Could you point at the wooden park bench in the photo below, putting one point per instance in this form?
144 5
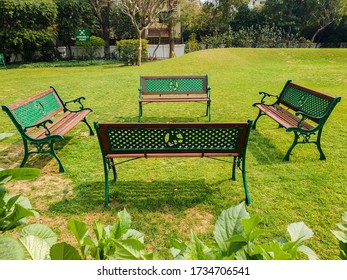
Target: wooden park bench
154 140
174 89
299 110
44 119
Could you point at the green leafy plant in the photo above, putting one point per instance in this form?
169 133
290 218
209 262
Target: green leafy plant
93 45
128 50
341 235
116 241
235 235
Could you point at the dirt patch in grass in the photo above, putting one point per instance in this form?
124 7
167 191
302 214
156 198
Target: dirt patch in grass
200 221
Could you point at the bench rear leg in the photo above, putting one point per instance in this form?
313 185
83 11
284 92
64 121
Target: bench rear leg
140 112
208 110
233 177
245 183
91 132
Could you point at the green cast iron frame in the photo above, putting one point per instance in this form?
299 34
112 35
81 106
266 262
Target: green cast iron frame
2 61
175 86
305 104
146 140
35 113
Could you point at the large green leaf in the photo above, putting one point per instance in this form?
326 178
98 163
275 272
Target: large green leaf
299 232
340 235
35 248
64 251
197 250
129 249
125 221
79 229
20 173
134 234
42 231
308 252
229 223
10 248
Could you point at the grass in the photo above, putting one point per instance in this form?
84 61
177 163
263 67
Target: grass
168 197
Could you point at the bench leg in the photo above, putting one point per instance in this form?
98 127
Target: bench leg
233 177
245 183
26 152
91 132
53 153
208 110
296 137
255 122
140 112
106 171
322 156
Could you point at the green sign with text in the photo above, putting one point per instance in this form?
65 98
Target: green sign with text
82 35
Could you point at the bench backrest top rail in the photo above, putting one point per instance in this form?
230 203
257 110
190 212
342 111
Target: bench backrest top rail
37 108
308 101
174 84
173 137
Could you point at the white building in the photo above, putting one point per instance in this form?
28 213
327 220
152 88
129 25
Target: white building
254 3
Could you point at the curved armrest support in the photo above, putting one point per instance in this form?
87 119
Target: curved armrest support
265 94
41 124
77 100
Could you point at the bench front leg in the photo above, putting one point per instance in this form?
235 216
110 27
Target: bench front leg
140 111
91 132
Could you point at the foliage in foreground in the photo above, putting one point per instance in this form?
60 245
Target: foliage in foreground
235 235
341 235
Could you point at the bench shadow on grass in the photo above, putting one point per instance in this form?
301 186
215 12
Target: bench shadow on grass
13 155
141 195
263 150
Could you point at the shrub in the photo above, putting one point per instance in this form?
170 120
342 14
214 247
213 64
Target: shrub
93 45
192 44
342 236
128 50
235 235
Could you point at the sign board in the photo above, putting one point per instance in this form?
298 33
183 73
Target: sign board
82 35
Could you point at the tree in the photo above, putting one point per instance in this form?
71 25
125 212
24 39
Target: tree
102 9
327 11
142 14
72 14
26 25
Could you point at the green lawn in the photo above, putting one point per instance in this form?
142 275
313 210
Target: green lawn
168 197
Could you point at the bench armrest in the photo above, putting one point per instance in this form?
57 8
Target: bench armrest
265 94
77 100
41 124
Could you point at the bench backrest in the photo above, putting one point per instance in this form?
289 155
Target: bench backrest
174 85
35 109
308 101
142 138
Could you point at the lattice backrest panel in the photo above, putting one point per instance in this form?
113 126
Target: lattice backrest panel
305 101
174 85
37 109
173 139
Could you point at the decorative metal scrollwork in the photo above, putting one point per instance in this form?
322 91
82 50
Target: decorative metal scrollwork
302 101
174 85
173 138
38 105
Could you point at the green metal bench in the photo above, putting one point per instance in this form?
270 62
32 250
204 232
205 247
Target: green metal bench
2 61
174 89
33 119
299 110
152 140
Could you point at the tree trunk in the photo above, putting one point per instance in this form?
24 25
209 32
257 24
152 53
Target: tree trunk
139 50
